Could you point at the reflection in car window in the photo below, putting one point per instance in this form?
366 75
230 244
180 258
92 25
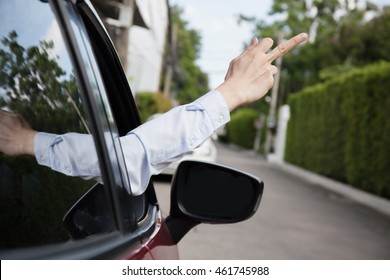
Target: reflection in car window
37 82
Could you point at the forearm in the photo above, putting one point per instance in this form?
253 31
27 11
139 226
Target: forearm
153 146
147 149
183 128
72 154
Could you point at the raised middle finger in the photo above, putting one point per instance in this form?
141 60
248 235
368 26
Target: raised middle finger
286 46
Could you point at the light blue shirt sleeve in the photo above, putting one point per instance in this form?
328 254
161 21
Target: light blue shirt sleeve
72 154
147 150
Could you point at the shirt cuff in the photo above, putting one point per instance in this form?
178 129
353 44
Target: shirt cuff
215 106
42 143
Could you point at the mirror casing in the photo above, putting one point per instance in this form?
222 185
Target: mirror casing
90 215
210 193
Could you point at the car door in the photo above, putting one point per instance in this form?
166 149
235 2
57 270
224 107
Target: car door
150 225
54 76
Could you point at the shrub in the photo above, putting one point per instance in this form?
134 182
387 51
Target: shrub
240 129
341 128
150 103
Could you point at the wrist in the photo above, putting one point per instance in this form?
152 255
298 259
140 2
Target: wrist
27 146
231 95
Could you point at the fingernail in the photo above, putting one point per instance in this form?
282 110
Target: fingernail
303 36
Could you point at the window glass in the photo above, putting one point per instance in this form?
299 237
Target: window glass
37 82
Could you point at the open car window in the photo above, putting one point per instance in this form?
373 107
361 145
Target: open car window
120 106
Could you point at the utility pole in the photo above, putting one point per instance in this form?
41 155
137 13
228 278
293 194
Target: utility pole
172 57
259 124
271 121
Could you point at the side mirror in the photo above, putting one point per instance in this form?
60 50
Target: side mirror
90 215
211 193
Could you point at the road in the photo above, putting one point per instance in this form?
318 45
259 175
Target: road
295 220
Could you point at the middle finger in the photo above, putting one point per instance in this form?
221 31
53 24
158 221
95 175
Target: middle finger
286 46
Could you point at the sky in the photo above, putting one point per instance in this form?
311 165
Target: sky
222 38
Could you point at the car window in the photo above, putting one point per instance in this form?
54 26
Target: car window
121 105
37 82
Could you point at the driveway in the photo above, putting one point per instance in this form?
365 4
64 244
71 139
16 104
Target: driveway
295 220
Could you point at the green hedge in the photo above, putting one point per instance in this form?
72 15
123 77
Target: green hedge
341 128
240 129
149 103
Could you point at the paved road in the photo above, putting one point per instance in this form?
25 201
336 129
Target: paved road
295 220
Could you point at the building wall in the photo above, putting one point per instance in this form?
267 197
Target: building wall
146 47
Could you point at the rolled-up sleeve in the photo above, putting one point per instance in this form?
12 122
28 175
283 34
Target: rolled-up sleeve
72 154
153 146
147 149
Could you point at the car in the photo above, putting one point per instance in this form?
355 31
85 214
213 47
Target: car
61 72
207 152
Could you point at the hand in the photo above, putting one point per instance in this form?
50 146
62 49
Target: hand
16 135
251 74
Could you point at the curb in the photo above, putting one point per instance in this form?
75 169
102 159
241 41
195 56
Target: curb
377 203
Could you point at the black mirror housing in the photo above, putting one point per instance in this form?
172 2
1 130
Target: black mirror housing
89 216
211 193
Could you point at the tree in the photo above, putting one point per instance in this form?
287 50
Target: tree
341 38
375 37
34 85
189 81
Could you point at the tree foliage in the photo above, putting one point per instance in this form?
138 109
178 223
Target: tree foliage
189 82
341 36
150 103
241 130
34 85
